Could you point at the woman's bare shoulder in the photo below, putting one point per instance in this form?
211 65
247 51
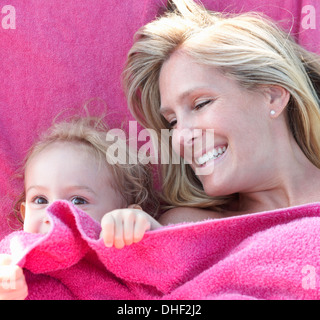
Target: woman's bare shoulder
187 214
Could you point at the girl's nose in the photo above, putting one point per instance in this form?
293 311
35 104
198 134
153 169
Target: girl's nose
45 225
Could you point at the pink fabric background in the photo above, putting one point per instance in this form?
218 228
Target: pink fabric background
63 53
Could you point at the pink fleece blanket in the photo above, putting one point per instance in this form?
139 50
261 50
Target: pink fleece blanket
63 53
270 255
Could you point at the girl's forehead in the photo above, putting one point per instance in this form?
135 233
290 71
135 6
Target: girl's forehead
63 147
69 160
65 154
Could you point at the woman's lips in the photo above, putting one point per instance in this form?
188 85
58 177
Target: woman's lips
215 153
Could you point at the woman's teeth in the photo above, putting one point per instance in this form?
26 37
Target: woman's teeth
214 154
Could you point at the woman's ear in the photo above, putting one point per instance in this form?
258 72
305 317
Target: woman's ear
278 99
23 209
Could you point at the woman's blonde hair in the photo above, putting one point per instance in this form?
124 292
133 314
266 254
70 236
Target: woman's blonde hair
250 48
132 181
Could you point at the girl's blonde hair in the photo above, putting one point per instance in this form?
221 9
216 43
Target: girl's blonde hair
250 48
132 181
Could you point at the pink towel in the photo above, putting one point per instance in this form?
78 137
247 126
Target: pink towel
62 53
270 255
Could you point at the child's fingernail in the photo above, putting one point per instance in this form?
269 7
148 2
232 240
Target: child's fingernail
135 206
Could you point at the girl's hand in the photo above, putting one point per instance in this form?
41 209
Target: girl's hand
13 285
126 226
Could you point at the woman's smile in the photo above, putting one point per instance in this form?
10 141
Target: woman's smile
214 154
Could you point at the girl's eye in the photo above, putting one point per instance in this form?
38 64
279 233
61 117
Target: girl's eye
202 104
78 201
40 200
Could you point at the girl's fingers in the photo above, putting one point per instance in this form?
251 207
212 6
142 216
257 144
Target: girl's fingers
128 228
15 294
123 227
141 226
108 226
112 230
5 259
13 284
118 231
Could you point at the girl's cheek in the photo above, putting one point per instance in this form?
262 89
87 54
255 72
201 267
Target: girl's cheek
32 224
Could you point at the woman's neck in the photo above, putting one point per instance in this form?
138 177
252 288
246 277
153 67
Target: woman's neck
295 181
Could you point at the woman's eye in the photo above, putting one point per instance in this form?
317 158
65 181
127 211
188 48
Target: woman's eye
40 200
202 104
172 123
196 107
78 201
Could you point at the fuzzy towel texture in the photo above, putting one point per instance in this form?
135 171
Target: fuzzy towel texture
63 53
270 255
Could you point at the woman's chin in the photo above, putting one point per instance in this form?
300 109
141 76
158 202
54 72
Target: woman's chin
216 189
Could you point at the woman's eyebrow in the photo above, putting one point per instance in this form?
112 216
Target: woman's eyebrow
183 96
164 110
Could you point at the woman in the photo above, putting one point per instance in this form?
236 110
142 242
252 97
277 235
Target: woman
248 81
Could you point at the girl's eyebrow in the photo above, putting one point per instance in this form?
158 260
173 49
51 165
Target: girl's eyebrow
36 187
67 189
80 187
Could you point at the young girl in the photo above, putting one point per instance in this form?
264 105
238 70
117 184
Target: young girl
71 162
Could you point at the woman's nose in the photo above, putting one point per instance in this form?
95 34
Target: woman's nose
186 132
184 138
189 139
